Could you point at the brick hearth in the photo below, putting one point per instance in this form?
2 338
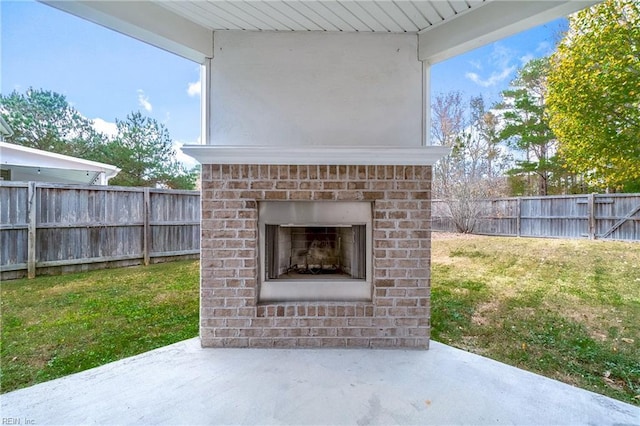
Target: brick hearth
398 314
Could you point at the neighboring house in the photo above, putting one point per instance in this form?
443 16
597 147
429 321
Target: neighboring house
19 163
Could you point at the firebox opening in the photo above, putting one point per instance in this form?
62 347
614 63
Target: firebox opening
315 251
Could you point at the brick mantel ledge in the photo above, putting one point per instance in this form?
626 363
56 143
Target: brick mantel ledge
327 155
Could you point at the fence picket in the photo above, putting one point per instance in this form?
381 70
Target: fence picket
32 229
593 216
49 227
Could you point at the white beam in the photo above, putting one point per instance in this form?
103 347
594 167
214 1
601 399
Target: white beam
147 22
206 115
490 22
426 104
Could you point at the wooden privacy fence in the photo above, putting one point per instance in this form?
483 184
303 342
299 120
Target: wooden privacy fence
51 227
593 216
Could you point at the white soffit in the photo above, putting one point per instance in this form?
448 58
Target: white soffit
313 15
446 27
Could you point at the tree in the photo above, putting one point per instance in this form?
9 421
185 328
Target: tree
182 178
143 149
474 169
44 120
594 94
526 128
447 126
489 154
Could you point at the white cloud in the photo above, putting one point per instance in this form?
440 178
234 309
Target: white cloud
545 48
183 158
194 88
476 64
526 58
501 56
495 77
500 61
106 127
143 101
167 118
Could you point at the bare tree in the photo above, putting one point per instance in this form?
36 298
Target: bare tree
446 127
474 170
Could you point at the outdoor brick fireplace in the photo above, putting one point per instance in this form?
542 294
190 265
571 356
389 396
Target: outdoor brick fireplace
316 188
388 307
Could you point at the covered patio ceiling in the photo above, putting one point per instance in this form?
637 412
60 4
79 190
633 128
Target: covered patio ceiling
445 28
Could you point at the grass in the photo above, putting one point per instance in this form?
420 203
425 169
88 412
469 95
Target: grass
566 309
57 325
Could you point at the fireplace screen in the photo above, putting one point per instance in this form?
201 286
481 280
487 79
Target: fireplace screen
315 250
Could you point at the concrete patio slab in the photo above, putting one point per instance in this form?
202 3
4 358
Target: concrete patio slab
185 384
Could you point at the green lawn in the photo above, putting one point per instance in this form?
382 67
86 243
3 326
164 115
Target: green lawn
566 309
58 325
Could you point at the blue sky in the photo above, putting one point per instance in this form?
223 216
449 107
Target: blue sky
489 69
106 75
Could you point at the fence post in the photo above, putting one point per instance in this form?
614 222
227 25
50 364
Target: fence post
31 230
591 216
518 214
146 211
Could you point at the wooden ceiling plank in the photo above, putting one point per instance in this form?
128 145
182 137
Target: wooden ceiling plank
285 22
398 16
304 10
356 8
198 14
381 16
320 9
459 6
247 14
475 3
344 15
444 9
340 9
414 14
217 8
426 8
285 7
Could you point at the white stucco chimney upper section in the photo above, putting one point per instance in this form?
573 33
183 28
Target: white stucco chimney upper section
316 89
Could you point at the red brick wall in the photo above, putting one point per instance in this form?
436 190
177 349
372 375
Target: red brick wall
397 316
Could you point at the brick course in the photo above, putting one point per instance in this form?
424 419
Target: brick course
398 314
